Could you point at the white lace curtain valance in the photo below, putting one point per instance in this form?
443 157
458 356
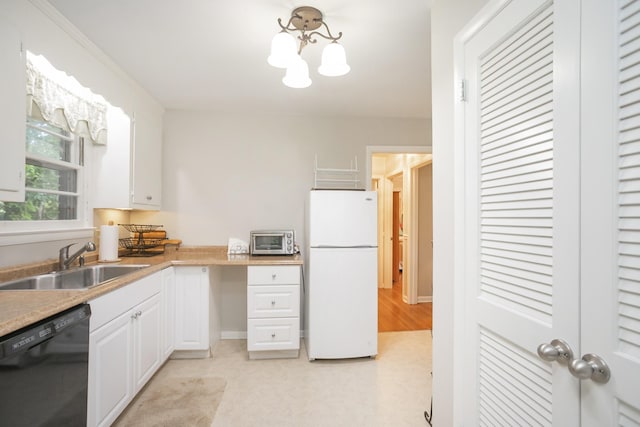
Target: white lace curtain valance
64 102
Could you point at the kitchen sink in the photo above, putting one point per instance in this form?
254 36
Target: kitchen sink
77 278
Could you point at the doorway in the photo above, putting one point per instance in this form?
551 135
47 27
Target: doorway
405 227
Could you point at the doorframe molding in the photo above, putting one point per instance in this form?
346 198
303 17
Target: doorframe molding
412 253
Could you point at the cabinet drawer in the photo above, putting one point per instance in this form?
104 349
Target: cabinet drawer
109 306
273 334
273 275
273 301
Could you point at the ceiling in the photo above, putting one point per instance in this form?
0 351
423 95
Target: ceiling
211 54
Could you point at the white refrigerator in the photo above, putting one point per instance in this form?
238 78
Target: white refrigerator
341 289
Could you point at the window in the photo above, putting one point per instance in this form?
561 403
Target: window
61 116
53 173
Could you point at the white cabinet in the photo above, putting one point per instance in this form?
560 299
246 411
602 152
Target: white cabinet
192 308
147 162
168 326
12 113
128 170
124 347
112 163
273 311
110 371
146 321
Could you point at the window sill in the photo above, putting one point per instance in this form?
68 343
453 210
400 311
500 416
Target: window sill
10 238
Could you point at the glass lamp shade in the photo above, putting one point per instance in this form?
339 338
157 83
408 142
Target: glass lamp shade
297 75
334 61
283 50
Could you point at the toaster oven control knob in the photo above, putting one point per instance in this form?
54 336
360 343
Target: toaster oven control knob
289 235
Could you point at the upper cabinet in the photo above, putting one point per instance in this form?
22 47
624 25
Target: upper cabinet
12 113
128 170
147 162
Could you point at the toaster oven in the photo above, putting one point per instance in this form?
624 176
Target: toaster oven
273 242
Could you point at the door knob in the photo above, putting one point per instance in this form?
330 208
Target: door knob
590 366
557 351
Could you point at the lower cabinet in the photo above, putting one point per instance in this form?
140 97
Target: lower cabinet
273 311
124 347
192 309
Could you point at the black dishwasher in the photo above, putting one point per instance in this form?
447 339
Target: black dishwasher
44 371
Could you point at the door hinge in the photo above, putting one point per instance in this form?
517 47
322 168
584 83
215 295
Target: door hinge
462 91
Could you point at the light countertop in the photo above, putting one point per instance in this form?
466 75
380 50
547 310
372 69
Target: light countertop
22 308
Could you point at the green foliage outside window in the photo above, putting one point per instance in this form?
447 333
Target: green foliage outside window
45 142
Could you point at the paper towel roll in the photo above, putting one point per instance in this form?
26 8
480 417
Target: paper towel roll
108 250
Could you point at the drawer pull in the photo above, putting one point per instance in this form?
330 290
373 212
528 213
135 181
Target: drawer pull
273 276
273 335
273 302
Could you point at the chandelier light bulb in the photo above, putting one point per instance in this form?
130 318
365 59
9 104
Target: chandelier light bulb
283 50
308 21
334 61
297 75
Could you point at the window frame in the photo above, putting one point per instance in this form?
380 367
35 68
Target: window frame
34 231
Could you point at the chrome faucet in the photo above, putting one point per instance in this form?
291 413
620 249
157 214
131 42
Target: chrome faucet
65 260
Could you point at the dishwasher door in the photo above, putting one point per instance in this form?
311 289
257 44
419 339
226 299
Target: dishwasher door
44 372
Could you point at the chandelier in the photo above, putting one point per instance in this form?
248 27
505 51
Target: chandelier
285 53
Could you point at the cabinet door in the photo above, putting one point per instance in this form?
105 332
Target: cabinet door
110 371
112 163
192 308
146 336
147 162
168 325
12 113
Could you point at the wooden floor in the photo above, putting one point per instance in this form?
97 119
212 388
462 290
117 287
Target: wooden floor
394 315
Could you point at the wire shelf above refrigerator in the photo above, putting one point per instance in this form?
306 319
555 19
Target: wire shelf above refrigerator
335 178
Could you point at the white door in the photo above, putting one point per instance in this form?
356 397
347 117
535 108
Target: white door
610 219
540 262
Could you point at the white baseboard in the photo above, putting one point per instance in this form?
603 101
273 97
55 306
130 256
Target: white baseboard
425 299
191 354
233 335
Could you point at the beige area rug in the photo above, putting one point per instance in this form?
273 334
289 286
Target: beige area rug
175 401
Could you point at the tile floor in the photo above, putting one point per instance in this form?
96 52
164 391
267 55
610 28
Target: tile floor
393 389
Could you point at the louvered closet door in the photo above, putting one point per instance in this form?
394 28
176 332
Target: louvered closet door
521 214
611 210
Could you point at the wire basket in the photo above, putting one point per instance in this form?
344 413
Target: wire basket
137 243
140 228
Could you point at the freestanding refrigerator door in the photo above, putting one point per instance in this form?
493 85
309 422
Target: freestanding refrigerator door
342 305
343 218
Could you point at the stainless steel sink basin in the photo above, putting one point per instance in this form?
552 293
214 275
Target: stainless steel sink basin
78 278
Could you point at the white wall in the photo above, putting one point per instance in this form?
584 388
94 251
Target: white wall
447 18
226 174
